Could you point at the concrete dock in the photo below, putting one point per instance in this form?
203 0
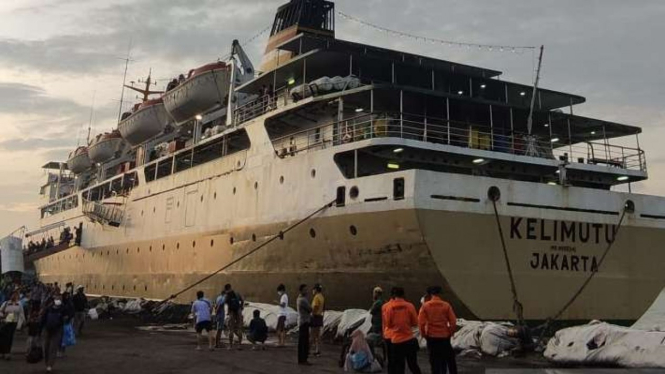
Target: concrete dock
119 346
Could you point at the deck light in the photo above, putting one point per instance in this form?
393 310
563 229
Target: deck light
460 92
552 183
554 140
398 150
199 117
547 125
522 93
359 110
393 166
558 171
291 81
478 161
593 133
483 86
622 178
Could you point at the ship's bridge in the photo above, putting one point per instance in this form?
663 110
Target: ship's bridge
389 110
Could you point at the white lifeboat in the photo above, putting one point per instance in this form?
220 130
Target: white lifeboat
204 88
147 120
105 146
79 161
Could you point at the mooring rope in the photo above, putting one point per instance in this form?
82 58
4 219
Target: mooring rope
556 316
517 305
280 235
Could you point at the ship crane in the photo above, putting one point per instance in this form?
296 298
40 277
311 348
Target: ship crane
246 68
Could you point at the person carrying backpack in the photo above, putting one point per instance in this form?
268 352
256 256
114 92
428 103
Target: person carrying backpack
53 321
234 304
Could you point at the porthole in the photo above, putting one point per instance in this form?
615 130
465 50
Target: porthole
117 251
138 250
281 180
312 233
163 247
214 196
177 246
123 287
134 288
256 185
253 237
141 213
234 190
212 243
201 198
112 287
127 250
354 230
108 253
150 249
313 173
154 209
146 288
231 240
177 205
193 243
353 192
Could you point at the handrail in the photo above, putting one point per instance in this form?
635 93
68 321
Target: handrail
455 133
102 213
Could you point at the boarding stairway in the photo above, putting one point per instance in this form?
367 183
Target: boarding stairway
105 214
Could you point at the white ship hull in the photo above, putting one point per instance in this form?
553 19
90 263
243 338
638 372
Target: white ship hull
442 232
198 94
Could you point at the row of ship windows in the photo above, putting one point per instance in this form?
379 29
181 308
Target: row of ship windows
235 190
102 287
353 230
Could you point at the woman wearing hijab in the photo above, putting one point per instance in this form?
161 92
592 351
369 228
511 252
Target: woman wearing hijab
11 315
360 356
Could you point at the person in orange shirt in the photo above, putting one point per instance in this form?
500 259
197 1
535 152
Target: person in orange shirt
386 335
437 323
400 319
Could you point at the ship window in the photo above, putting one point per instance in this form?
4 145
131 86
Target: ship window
164 168
208 152
130 181
150 172
398 189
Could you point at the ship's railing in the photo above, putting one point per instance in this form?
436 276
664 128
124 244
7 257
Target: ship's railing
105 214
461 134
261 105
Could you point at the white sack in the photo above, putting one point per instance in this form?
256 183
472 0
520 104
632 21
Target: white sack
270 313
599 343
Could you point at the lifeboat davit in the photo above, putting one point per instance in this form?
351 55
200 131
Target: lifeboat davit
105 146
79 161
146 121
204 88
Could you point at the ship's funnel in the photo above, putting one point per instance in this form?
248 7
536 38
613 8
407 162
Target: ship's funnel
316 17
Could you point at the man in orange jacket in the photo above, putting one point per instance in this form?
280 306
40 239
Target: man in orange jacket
437 323
400 318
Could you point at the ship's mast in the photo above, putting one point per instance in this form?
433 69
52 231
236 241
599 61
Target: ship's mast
145 91
529 123
124 79
92 112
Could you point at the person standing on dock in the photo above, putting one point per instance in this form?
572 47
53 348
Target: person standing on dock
376 311
201 308
437 323
220 316
318 308
401 318
283 312
234 304
80 305
304 318
387 335
53 321
11 317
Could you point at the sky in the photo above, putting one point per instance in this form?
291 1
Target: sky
61 58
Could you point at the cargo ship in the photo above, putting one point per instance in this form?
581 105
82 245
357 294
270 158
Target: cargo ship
430 165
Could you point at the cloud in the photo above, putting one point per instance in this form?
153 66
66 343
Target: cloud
22 100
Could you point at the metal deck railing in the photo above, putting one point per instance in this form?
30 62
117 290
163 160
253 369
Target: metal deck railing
465 135
103 213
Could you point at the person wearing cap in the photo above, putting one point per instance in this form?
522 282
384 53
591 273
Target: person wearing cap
437 323
318 307
80 305
400 318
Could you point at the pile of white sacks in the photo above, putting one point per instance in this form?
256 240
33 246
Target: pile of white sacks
599 343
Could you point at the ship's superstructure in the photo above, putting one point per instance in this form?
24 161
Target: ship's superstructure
409 148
